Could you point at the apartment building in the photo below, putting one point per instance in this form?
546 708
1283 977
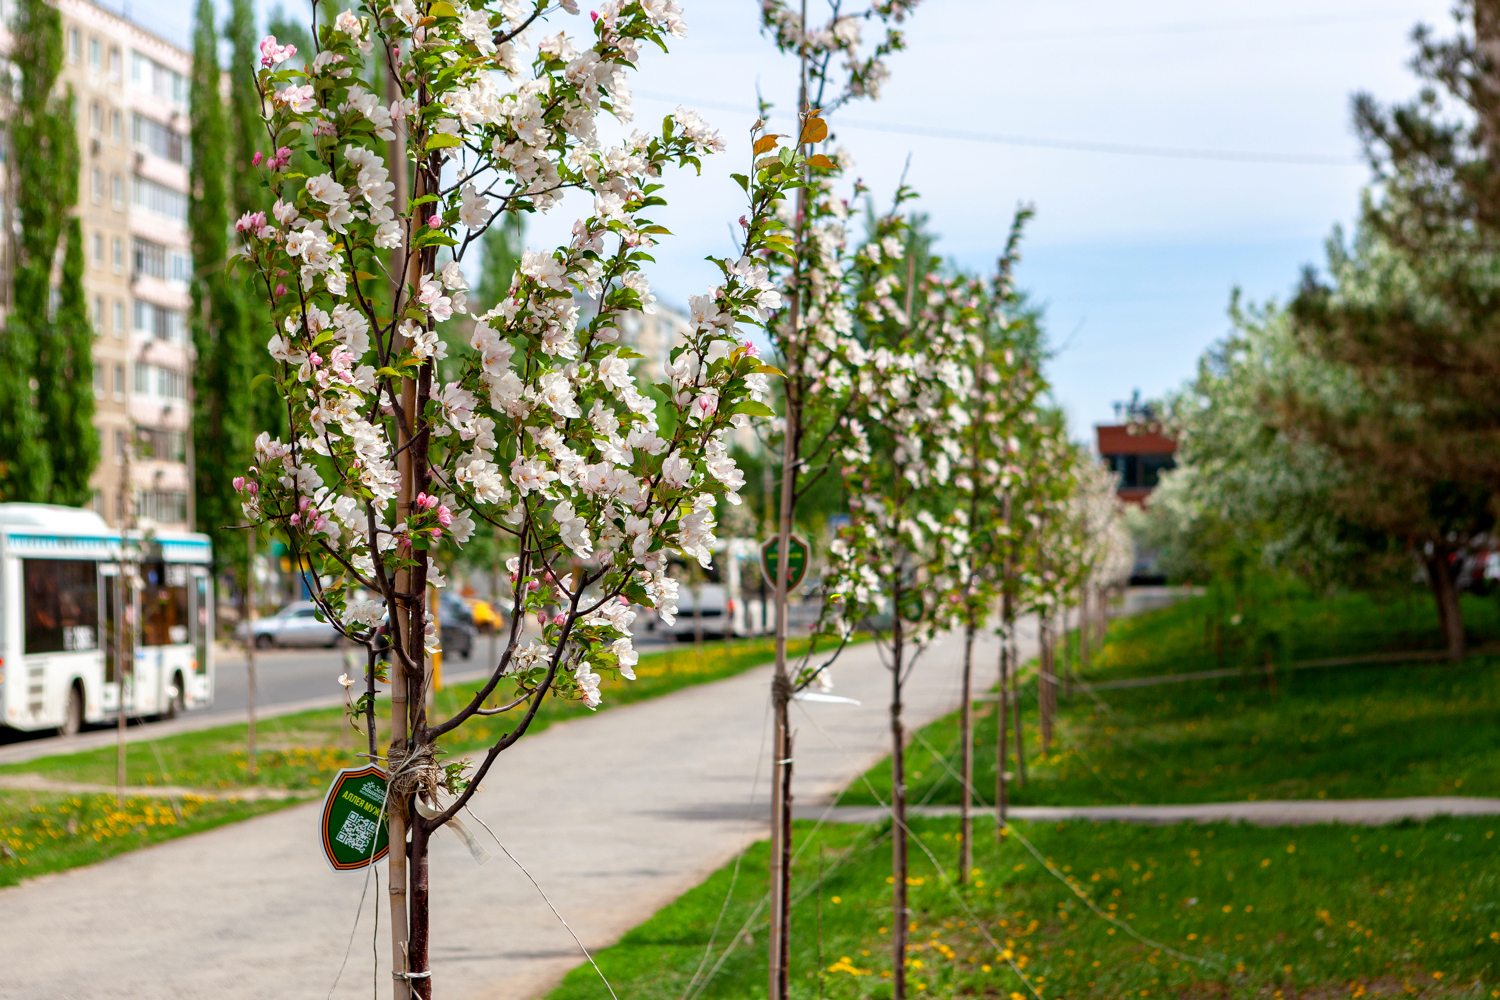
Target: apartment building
130 91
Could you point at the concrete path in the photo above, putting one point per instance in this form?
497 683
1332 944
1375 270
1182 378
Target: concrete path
615 816
1280 812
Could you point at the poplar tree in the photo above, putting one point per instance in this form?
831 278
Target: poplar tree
45 168
221 397
65 381
245 135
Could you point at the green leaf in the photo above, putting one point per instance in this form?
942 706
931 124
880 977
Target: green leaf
257 380
442 141
442 9
387 371
751 408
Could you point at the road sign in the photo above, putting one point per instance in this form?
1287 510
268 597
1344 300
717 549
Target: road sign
796 566
353 827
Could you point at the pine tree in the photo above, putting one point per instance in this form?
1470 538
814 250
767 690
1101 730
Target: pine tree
65 382
221 396
1413 310
46 170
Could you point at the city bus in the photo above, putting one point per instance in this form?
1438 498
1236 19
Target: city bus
94 621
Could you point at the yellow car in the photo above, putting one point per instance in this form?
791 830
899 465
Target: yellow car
485 614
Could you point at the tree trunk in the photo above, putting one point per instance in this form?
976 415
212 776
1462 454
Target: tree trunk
1084 624
900 917
1015 701
1445 593
966 768
1002 705
1047 686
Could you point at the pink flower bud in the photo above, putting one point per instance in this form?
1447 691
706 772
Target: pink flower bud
434 221
253 487
239 483
280 291
558 620
444 516
256 158
437 532
531 584
541 617
296 518
425 502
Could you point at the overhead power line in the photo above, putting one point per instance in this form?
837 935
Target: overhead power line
1037 142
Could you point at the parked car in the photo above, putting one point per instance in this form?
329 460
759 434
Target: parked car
458 626
712 608
486 616
294 625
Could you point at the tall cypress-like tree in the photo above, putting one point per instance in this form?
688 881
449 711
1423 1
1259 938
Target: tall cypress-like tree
246 133
65 381
45 172
221 397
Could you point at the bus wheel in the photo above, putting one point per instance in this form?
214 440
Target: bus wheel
73 721
177 703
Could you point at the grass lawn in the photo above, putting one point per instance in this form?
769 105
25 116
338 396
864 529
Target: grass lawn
1370 731
1325 911
299 752
1182 638
43 832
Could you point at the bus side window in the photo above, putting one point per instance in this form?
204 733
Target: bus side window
62 605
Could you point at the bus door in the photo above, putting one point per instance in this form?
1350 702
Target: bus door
200 685
112 634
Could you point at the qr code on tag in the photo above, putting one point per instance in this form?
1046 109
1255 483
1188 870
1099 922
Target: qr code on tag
356 832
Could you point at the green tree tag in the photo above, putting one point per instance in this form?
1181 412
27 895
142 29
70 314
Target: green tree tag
353 825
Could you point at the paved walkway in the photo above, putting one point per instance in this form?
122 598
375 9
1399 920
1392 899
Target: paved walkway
615 817
1279 812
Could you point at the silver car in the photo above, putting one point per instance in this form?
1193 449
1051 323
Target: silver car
294 625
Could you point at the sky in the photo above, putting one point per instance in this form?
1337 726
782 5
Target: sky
1239 155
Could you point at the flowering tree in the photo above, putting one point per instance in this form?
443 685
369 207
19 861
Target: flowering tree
811 336
544 434
897 457
1004 388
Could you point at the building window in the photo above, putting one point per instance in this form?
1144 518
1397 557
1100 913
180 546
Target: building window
182 267
163 324
158 80
117 191
98 249
160 200
168 383
150 260
119 448
98 382
116 64
96 54
120 385
118 250
98 319
96 182
119 327
75 45
96 118
167 445
158 139
163 507
116 127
